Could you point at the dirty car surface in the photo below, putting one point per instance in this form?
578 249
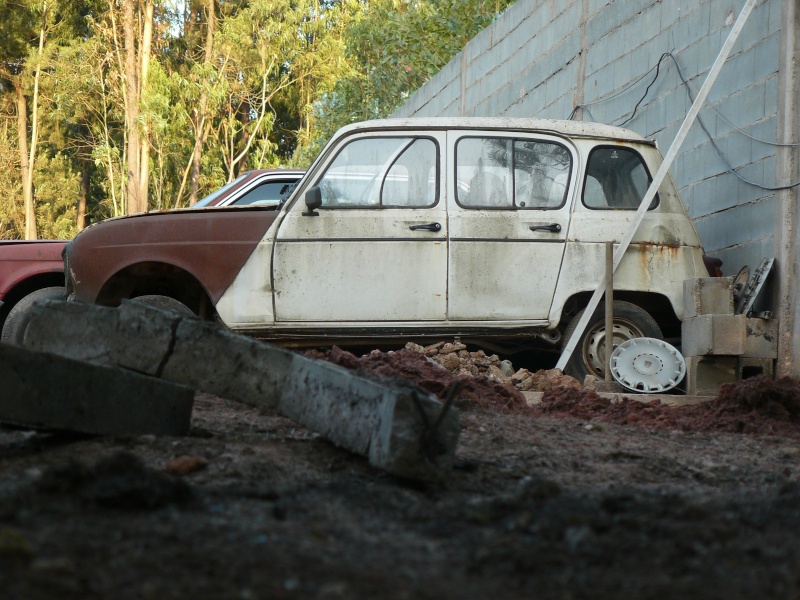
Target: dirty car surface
28 270
489 229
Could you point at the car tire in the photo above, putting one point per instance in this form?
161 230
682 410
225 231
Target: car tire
588 357
20 315
166 303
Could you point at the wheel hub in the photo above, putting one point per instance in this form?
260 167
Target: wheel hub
594 351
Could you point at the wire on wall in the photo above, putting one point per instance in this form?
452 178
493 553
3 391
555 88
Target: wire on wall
689 93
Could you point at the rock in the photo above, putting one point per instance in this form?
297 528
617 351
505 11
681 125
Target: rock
520 375
545 380
498 374
449 347
448 361
433 350
507 368
525 385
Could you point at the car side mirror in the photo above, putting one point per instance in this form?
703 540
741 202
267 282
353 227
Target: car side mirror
313 201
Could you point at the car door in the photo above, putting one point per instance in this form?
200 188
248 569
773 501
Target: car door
509 215
375 250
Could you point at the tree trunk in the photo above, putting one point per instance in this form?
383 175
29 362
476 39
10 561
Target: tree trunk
134 201
30 209
200 128
144 51
22 135
84 195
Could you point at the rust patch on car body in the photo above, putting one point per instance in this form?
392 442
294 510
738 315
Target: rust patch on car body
210 247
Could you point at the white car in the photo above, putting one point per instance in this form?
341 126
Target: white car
489 229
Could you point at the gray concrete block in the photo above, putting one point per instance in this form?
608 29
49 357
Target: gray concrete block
705 374
707 296
45 391
762 339
387 421
713 335
747 367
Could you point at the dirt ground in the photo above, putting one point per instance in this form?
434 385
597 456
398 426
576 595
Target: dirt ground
571 498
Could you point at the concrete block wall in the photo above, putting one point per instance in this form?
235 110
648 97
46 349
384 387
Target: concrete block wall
542 58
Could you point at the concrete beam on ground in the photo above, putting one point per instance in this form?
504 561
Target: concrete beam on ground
396 425
674 400
43 391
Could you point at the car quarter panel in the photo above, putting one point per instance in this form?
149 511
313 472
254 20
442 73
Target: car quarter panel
211 245
20 260
665 249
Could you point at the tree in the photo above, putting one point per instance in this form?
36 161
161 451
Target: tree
392 49
22 70
109 107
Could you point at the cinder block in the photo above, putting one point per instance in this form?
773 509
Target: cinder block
45 391
707 296
762 338
705 374
752 367
713 335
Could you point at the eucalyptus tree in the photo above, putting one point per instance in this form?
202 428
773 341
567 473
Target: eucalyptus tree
393 48
24 49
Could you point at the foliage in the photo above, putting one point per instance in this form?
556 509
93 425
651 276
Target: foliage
394 49
230 85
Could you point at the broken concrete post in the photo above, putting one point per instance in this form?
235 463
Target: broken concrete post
389 422
43 391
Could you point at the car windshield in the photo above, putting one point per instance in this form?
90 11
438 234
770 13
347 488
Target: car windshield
214 195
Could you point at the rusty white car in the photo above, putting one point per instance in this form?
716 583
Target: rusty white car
488 229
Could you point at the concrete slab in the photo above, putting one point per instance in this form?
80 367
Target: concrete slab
43 391
388 421
668 399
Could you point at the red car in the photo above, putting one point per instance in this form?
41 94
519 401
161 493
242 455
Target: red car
34 270
29 271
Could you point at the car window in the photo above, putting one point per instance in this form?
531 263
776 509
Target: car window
511 173
267 194
616 179
216 194
382 172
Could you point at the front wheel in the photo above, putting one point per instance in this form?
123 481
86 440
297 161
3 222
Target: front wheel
589 356
20 315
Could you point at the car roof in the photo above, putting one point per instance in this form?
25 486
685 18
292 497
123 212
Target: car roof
574 129
274 171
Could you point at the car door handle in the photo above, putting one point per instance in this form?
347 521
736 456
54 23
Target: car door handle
426 227
552 228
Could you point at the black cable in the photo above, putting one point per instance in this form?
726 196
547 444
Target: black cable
686 85
724 160
635 108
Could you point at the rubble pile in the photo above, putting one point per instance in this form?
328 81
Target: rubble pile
456 358
484 380
757 405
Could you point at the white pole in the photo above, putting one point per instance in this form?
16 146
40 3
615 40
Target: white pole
659 177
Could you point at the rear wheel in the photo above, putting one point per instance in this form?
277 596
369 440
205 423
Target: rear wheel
589 356
20 315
